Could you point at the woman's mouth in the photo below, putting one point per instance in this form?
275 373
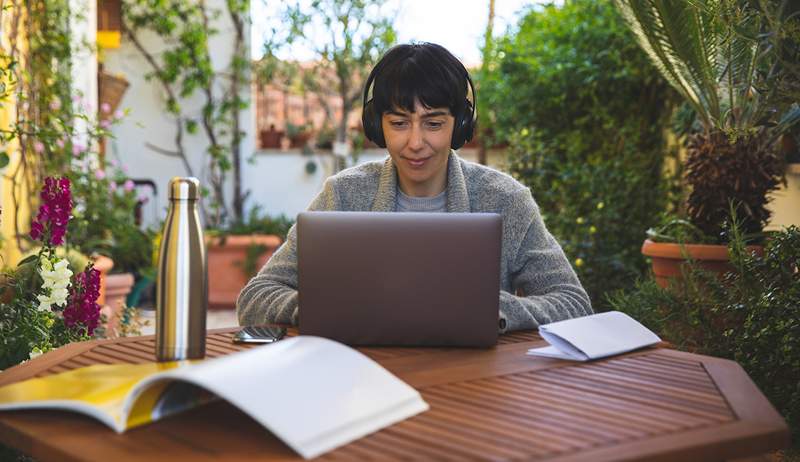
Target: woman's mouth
416 163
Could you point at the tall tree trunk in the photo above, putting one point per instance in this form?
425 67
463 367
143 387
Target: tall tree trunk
487 54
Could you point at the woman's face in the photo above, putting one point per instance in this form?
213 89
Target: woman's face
419 144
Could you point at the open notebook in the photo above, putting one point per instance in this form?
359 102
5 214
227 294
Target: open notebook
592 337
314 394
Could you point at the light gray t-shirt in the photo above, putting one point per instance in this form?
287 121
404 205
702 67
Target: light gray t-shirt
406 203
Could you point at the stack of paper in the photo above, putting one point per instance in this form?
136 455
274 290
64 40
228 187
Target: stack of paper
592 337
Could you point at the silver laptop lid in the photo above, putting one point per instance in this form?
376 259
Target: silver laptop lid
377 278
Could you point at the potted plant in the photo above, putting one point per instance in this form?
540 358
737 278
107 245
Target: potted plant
715 55
236 253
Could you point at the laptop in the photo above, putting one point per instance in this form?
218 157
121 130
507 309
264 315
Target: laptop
411 279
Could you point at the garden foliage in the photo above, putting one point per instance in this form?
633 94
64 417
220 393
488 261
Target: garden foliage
751 315
584 112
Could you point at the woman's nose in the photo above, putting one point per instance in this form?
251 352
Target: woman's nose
415 141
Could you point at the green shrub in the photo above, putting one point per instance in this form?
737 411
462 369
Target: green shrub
256 223
584 113
751 315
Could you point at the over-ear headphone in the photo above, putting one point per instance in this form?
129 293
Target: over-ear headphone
463 128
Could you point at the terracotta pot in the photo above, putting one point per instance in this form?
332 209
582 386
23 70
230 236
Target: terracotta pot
226 259
668 258
118 286
104 265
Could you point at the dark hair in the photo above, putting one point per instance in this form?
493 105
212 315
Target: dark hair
421 71
424 71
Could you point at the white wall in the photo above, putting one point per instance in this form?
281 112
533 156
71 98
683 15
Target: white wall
279 183
83 23
149 123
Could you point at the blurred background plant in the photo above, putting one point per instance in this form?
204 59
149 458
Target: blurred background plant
104 219
257 222
584 114
735 64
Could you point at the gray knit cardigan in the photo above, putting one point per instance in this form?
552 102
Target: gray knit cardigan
532 262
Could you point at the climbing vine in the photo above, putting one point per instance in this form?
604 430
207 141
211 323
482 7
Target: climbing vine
185 69
51 131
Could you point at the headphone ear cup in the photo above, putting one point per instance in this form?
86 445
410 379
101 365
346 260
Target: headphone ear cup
458 132
373 129
464 127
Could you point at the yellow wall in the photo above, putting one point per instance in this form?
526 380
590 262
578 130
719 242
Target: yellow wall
785 203
9 253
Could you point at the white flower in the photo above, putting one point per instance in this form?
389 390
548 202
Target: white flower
45 301
56 276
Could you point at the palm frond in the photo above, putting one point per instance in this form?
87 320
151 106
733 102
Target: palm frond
709 50
681 42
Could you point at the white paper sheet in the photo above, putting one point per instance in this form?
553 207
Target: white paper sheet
592 337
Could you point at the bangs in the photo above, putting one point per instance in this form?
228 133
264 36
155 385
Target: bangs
416 74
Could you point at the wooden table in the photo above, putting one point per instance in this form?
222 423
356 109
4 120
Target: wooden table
497 404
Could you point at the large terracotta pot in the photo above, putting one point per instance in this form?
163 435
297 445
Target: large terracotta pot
118 286
104 265
668 258
226 260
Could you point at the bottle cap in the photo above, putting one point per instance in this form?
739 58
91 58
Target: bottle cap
184 188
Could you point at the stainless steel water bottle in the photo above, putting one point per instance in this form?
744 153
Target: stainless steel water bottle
182 283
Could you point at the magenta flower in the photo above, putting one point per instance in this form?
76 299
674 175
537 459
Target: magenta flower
54 212
82 308
128 185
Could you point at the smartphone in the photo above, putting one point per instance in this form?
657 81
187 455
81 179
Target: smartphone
259 334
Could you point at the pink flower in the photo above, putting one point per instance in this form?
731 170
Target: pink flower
77 148
118 114
143 199
38 146
105 107
105 123
112 163
128 185
60 143
82 309
100 174
55 104
112 186
54 212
